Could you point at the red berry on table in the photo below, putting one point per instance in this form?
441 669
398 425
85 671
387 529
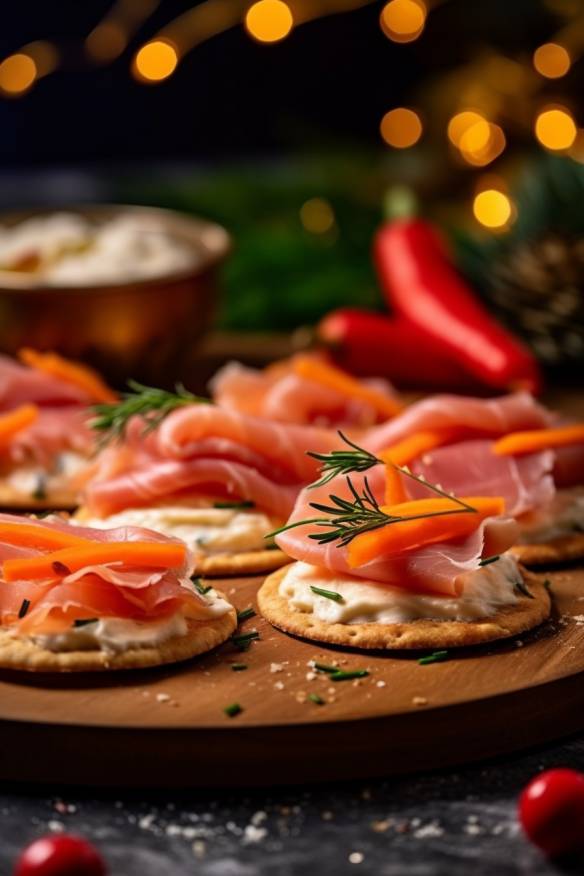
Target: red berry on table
60 855
551 811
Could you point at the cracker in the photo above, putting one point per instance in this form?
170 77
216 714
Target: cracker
21 653
432 634
62 499
564 549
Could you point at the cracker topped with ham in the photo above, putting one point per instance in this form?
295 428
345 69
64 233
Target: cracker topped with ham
79 599
378 568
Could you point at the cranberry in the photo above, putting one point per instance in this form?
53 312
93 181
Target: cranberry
60 855
551 810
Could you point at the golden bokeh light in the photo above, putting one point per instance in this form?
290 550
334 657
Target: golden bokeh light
401 127
489 150
476 137
552 60
555 128
269 21
17 74
317 216
155 61
403 20
106 42
461 123
492 208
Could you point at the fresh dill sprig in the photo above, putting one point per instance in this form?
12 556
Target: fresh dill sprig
140 401
343 461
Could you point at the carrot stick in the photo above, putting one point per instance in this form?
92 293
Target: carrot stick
415 445
520 443
313 368
58 564
39 537
15 421
412 533
77 373
395 491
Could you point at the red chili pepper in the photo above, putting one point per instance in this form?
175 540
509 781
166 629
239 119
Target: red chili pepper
371 344
551 810
422 285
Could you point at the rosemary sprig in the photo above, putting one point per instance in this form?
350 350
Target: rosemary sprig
343 461
488 560
328 594
141 401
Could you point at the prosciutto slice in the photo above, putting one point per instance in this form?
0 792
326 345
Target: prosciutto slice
19 383
432 569
475 417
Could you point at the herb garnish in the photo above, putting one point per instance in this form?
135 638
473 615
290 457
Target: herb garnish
232 710
141 401
244 503
328 594
243 641
238 667
324 667
342 675
521 588
434 657
40 491
245 615
200 588
314 698
23 608
82 622
488 560
343 461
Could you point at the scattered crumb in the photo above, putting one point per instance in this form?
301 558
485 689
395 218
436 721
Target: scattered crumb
327 815
253 834
199 849
380 826
419 701
356 857
258 817
380 683
276 667
56 826
519 643
578 618
427 831
162 697
300 696
279 685
310 676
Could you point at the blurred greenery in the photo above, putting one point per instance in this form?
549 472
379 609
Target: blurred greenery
280 275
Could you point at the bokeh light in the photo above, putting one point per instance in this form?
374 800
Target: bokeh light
269 21
17 74
401 127
317 216
155 61
555 128
460 124
403 20
482 152
492 208
106 42
551 60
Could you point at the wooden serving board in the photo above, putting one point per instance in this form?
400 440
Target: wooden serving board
166 727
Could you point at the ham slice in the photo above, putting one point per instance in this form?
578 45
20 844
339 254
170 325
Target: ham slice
278 393
475 417
432 569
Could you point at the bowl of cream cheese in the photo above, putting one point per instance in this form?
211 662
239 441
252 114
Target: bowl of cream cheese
128 289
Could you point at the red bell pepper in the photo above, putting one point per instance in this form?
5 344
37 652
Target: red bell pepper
422 285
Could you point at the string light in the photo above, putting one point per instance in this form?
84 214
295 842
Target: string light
269 21
401 127
555 128
155 61
551 60
492 208
317 216
403 20
17 74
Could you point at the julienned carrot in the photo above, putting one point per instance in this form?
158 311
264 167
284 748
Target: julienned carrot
71 372
415 445
520 443
58 564
314 368
409 534
395 491
15 421
39 537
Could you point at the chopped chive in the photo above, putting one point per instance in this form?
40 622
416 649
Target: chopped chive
238 667
40 491
232 710
24 608
82 622
488 560
314 698
434 657
521 587
243 641
342 675
245 615
328 594
200 588
60 568
324 667
245 503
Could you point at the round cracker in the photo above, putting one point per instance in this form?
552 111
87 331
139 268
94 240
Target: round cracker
23 654
564 549
250 563
425 633
62 499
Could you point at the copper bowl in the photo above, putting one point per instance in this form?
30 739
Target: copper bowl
144 328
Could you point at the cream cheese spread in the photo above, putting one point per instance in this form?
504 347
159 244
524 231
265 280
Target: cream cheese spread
563 516
204 530
484 592
36 482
